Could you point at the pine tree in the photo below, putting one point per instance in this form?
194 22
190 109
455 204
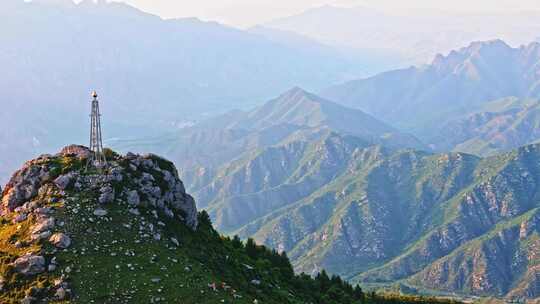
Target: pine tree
251 249
323 280
237 242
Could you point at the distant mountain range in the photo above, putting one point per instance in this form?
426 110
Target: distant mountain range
444 223
479 99
206 146
413 36
320 181
152 74
428 100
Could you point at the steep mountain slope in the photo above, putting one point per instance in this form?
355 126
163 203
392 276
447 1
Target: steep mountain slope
497 126
132 235
422 99
296 114
153 74
379 216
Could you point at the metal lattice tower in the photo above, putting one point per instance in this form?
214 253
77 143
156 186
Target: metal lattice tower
97 159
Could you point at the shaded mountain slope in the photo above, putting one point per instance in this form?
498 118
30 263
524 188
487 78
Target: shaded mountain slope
152 74
496 127
423 98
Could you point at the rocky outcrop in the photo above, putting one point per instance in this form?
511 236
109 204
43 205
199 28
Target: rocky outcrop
76 150
63 181
60 240
145 181
29 265
157 186
49 205
503 263
25 184
106 195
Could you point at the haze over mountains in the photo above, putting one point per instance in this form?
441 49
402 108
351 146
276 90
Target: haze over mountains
295 114
152 74
377 214
416 36
424 99
426 176
195 69
293 177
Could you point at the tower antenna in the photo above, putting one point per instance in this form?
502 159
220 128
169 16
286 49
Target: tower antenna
97 158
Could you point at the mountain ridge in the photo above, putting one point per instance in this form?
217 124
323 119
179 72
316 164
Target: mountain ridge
450 87
378 216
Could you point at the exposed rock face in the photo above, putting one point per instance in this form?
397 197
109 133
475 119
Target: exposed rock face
77 150
30 265
24 184
107 195
502 264
43 224
133 198
53 200
157 187
153 183
63 181
60 240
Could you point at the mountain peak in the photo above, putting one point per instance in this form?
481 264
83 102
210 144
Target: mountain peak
301 108
495 47
158 179
497 43
296 92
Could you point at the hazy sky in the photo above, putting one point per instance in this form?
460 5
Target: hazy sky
242 13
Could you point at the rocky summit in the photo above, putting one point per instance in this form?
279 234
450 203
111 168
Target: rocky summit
55 210
129 233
